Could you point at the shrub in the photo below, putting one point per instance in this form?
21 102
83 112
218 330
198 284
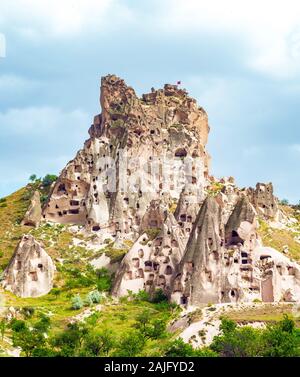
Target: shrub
159 296
87 301
28 311
77 302
49 179
95 297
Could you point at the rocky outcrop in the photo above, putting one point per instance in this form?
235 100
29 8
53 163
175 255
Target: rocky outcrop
133 143
143 176
30 271
241 226
231 266
152 264
199 276
34 212
263 200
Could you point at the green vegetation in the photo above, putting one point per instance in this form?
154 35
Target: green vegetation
152 233
119 123
11 216
281 339
278 238
115 254
215 188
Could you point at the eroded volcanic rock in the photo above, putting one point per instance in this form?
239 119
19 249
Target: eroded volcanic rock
163 124
34 212
194 236
199 277
263 199
30 271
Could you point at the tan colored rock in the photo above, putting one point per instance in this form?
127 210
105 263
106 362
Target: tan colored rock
31 270
152 264
199 278
164 124
263 200
34 212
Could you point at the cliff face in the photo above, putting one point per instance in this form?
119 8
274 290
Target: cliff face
199 276
143 176
133 144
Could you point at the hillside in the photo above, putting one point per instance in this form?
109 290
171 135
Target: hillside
135 249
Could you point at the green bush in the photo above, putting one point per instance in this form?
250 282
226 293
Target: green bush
77 302
28 311
49 179
95 297
159 296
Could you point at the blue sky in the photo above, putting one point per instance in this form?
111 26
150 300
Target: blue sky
240 60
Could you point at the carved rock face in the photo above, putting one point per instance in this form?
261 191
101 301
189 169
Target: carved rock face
263 200
209 250
165 124
241 225
30 271
199 277
34 212
152 264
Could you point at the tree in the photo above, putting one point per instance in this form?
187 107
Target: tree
130 345
43 325
49 179
28 340
17 325
237 342
99 344
159 296
178 348
103 280
3 327
56 292
71 340
33 178
284 202
281 339
148 327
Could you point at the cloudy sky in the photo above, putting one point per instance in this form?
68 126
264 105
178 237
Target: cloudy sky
239 59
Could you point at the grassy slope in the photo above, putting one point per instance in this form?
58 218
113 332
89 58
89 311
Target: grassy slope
278 238
262 313
117 316
12 211
57 240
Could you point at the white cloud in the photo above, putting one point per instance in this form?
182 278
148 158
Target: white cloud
41 120
14 83
38 140
36 19
270 29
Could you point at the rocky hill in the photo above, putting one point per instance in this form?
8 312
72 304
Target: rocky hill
137 212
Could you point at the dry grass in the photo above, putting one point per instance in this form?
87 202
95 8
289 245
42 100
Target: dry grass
277 238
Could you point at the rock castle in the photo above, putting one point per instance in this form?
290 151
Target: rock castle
143 176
